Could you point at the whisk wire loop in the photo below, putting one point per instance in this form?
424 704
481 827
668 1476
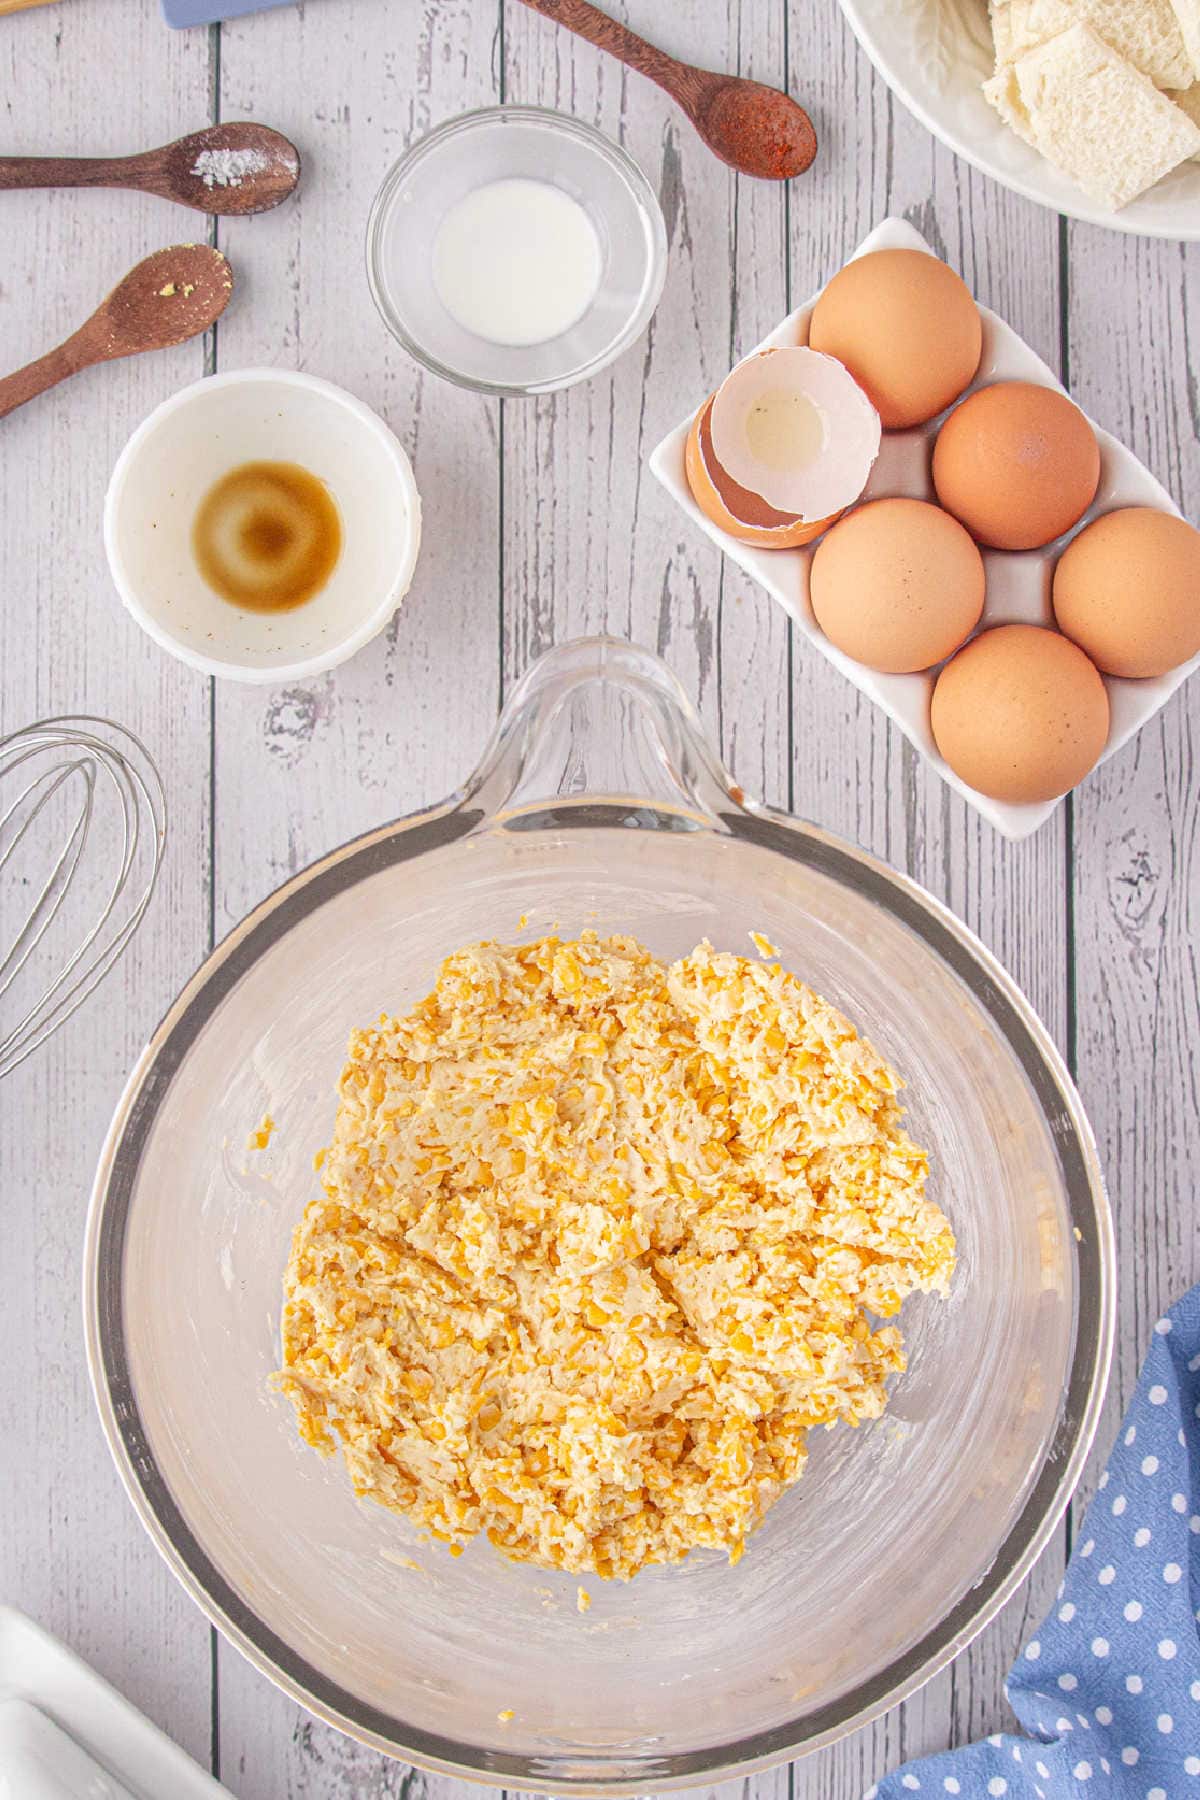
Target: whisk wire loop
114 772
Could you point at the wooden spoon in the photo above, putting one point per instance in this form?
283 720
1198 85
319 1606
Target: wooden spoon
236 168
170 297
753 128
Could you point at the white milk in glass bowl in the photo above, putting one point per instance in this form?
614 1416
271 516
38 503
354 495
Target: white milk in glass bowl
517 262
516 251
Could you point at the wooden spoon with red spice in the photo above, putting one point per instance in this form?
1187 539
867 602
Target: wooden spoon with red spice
755 129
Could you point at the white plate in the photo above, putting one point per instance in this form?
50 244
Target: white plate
935 54
1018 583
66 1735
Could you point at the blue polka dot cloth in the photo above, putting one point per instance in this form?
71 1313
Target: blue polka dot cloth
1108 1692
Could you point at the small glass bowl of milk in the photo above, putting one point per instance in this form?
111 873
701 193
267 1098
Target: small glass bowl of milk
516 250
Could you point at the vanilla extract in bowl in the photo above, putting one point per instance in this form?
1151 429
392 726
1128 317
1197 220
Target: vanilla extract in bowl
267 536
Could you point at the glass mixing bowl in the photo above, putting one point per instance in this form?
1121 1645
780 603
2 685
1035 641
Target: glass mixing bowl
599 804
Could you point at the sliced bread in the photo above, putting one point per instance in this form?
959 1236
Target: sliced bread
1187 12
1094 116
1146 32
1189 99
1002 31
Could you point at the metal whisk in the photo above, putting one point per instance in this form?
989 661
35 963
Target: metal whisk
82 829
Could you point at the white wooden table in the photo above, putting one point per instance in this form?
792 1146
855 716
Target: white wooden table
541 523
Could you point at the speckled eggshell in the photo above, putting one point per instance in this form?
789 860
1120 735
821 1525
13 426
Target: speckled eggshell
906 327
897 585
1127 591
1020 714
1018 463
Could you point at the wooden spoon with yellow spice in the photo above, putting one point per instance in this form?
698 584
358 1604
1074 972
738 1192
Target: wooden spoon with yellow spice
172 296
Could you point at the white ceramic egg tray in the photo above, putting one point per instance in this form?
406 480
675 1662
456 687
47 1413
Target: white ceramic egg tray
1018 582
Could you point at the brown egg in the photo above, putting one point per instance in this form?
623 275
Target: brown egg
1127 590
907 329
897 585
1020 713
1018 464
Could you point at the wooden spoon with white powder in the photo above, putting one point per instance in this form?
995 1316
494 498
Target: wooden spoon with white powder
235 168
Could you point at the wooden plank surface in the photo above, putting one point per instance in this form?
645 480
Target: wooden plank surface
1136 872
540 522
854 774
71 1550
301 770
71 1553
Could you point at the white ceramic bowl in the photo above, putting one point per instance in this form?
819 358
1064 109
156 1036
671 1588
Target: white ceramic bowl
261 415
935 54
1018 582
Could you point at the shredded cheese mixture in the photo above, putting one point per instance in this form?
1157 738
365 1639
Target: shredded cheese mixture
600 1242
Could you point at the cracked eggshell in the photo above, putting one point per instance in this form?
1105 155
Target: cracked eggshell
782 449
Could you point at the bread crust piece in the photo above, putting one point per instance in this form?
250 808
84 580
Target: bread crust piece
1187 12
1189 99
1002 31
1093 116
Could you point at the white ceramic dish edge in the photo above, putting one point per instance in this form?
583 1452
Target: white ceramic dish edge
344 647
935 55
1022 579
36 1668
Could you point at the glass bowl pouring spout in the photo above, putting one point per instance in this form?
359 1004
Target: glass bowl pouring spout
597 805
602 719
